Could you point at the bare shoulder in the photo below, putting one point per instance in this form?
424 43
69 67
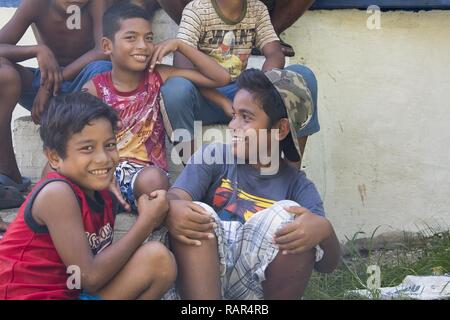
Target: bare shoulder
56 198
33 8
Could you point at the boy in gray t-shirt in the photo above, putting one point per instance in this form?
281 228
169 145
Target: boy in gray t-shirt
257 227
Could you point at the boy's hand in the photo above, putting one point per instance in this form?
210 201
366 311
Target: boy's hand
115 190
189 223
40 104
153 207
162 49
51 74
302 234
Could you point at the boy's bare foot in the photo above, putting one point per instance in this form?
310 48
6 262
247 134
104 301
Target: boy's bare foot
287 49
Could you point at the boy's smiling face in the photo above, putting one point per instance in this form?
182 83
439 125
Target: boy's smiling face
91 156
133 46
248 125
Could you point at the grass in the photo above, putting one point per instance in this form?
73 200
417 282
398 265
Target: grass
425 255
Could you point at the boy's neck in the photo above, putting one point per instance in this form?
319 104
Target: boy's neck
58 11
125 80
231 9
260 167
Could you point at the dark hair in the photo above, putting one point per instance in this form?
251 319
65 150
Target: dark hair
69 114
264 93
114 16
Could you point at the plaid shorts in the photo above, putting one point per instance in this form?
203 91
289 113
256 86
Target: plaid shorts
126 174
245 250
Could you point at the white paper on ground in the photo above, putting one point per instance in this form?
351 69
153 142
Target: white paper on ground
412 287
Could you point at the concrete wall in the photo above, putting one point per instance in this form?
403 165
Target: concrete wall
381 158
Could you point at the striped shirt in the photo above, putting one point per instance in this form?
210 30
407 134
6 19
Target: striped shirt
204 27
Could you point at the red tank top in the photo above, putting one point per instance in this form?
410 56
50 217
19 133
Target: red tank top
30 267
141 137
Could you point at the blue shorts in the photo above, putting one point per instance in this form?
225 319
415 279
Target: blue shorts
126 174
87 73
88 297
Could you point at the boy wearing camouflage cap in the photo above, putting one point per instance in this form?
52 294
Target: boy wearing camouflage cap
237 231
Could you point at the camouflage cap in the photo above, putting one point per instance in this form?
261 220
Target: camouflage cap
297 99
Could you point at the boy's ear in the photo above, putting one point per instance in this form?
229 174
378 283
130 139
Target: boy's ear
283 128
106 46
53 158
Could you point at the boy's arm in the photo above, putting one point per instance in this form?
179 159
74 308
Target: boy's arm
332 253
267 40
274 56
218 99
96 9
208 73
57 208
305 232
186 221
13 31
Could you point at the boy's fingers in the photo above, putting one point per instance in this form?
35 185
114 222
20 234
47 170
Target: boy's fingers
286 229
187 241
154 58
198 209
194 235
200 227
295 251
121 199
157 193
291 245
295 210
43 77
57 85
200 218
286 238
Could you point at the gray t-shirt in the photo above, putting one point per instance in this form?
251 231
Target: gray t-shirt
238 191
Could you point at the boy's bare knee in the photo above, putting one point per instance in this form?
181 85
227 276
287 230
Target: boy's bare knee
159 260
9 75
151 179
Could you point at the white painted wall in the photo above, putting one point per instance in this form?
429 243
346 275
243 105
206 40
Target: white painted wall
382 156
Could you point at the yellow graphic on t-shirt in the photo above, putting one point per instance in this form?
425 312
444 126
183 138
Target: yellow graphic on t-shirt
244 205
225 57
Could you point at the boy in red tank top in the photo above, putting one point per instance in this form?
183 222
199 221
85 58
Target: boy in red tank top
60 245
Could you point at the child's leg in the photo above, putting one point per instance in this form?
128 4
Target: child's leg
147 275
261 272
13 80
187 106
134 180
287 276
201 269
150 179
198 270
